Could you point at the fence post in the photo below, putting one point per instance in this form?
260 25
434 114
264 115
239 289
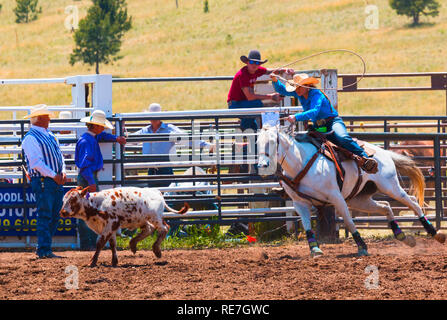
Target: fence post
326 231
327 228
438 186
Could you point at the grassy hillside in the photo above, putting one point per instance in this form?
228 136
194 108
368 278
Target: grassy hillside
166 41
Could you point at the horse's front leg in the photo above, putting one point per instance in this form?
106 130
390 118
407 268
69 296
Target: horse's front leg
304 210
341 208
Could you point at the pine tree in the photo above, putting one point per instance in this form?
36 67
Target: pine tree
414 8
26 10
98 38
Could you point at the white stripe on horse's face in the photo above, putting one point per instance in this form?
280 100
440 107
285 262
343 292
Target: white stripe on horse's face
267 150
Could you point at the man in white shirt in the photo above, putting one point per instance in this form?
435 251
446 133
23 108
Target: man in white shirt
164 149
46 168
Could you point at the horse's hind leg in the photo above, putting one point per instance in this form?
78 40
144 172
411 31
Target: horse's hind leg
395 191
341 209
368 205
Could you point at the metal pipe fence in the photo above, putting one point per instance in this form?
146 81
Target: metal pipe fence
221 120
244 180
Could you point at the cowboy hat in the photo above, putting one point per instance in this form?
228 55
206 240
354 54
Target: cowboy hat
253 55
301 79
39 110
98 117
65 115
154 107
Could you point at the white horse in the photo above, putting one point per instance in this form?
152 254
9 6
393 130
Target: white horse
319 185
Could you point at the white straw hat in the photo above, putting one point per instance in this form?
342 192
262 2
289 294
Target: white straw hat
98 117
65 115
301 79
154 107
39 110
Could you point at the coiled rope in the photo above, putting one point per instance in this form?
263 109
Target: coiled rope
317 54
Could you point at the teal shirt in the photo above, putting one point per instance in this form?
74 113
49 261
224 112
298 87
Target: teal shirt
315 107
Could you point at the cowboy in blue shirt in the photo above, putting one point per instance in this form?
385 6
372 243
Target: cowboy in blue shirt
89 160
88 156
318 108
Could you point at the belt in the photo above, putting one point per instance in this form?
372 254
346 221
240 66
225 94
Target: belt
323 122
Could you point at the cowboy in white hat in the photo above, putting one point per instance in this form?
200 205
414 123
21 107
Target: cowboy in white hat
89 160
318 108
65 115
162 149
88 156
46 169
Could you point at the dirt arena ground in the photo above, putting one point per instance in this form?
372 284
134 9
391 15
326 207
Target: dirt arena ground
255 272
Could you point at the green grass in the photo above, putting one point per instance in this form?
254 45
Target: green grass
166 41
198 238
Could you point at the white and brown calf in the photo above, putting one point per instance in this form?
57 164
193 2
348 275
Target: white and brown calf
127 207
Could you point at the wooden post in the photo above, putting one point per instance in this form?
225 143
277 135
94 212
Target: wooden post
326 226
327 229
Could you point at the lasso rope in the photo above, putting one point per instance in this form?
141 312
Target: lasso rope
317 54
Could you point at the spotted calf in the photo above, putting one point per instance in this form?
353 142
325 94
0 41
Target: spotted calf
127 207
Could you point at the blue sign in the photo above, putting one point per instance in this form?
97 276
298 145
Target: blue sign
22 222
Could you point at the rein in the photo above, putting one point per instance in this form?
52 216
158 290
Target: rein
294 184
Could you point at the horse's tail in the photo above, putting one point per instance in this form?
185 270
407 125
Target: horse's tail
407 167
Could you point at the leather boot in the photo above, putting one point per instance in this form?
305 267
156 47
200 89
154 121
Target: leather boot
369 165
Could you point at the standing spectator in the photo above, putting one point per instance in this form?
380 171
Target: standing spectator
164 148
46 168
69 156
88 159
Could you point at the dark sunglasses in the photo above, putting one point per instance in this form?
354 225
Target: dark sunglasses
254 62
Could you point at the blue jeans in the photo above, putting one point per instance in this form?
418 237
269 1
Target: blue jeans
49 203
247 123
342 138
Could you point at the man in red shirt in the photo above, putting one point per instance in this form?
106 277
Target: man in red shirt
242 94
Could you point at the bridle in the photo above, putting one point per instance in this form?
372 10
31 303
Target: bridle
293 184
277 147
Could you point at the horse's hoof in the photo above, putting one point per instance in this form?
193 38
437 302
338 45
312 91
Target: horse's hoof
440 237
362 252
409 241
316 252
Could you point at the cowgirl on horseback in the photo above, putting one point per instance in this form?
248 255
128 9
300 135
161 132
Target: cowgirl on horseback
318 108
